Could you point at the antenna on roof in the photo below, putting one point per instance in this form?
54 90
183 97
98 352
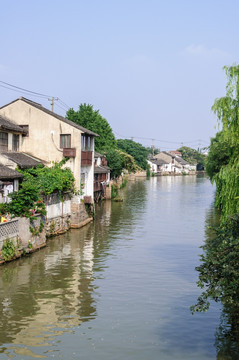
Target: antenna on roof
52 102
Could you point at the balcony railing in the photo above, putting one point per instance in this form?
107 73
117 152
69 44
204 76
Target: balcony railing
69 152
86 158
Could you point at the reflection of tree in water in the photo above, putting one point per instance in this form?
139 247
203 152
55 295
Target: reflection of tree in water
121 216
227 334
54 290
221 269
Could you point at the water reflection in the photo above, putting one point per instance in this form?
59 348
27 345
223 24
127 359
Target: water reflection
227 333
54 291
47 294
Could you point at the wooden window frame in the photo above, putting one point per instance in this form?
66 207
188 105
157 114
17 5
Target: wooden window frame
15 142
65 141
3 142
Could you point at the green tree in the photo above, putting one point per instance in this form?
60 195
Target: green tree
152 150
114 161
128 162
91 119
138 151
227 111
119 161
219 269
220 153
192 156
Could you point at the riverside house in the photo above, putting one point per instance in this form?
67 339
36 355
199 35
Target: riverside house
43 134
101 176
10 138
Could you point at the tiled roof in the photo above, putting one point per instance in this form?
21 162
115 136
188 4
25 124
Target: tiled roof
96 154
181 161
101 169
175 152
7 173
167 153
23 160
59 117
6 124
159 161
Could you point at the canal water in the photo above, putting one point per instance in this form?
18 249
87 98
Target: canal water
119 288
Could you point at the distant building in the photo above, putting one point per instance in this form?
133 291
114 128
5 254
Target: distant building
175 153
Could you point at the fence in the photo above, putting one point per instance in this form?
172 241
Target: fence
8 229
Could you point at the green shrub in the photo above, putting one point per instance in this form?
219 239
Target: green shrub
114 191
8 250
124 182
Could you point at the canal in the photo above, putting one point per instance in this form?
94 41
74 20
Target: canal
119 288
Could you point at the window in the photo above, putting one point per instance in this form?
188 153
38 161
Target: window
15 142
65 141
86 143
3 141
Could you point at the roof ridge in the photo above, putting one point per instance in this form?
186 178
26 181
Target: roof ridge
57 116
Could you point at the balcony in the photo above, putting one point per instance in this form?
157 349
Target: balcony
69 152
86 158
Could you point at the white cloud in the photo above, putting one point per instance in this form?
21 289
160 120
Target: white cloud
202 51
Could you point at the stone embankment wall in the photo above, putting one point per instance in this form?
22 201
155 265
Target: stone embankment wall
25 234
138 174
28 235
79 215
108 190
58 218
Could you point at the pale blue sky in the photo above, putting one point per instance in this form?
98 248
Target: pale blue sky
153 68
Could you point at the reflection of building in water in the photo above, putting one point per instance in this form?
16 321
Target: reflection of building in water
54 291
49 295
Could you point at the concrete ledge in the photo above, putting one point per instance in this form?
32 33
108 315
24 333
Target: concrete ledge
83 223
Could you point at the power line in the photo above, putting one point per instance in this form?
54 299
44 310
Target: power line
38 96
64 104
35 94
61 107
22 89
162 141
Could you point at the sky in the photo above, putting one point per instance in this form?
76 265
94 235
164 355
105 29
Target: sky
152 68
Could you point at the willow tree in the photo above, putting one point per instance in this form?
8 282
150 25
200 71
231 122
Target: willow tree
227 111
219 269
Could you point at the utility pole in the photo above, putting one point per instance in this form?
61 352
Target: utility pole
199 144
52 102
153 146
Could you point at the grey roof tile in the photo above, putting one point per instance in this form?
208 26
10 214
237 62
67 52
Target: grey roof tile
23 160
7 173
6 124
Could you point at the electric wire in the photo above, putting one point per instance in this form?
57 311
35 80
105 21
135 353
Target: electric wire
33 93
22 89
60 106
65 107
38 96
